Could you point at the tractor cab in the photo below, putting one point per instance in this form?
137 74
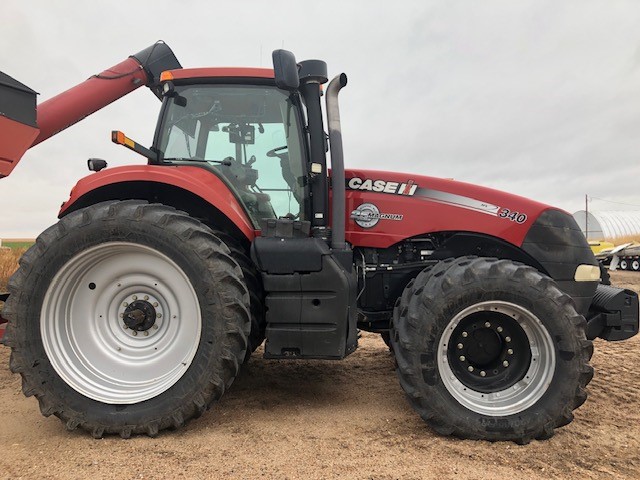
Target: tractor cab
251 136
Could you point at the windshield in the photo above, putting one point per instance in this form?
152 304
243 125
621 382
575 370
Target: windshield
249 135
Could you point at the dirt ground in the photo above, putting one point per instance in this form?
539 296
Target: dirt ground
349 419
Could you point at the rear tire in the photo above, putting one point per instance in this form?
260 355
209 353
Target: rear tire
635 265
624 265
256 291
157 271
490 349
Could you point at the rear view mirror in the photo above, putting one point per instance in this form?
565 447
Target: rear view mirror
285 69
242 134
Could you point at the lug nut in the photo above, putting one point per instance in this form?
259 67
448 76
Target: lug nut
460 346
487 324
135 333
462 358
146 297
155 327
510 352
465 334
507 339
470 368
505 364
125 304
135 297
159 315
499 329
122 315
125 327
155 304
146 333
483 373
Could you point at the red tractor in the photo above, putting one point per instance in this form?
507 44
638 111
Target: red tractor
135 312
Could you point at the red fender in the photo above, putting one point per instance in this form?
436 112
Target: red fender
192 179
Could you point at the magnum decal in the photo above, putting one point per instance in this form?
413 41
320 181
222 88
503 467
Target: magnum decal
368 215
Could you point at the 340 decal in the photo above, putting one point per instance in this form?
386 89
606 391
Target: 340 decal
513 216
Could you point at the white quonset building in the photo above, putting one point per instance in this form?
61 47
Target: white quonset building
608 225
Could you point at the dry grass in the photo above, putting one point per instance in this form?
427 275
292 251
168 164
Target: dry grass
8 264
624 239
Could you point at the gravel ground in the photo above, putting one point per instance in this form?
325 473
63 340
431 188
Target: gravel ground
348 419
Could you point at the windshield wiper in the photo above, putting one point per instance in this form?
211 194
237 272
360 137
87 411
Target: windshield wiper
226 161
183 159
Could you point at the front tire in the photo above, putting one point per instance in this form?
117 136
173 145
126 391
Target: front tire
128 318
490 349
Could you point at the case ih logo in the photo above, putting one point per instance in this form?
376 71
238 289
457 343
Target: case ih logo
382 186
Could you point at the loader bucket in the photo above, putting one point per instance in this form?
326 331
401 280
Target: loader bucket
18 127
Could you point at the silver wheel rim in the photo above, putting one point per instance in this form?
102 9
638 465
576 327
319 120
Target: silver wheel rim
84 334
525 392
635 265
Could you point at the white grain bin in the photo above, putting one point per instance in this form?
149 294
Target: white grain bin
607 225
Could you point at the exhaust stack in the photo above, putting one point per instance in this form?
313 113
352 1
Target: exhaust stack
337 162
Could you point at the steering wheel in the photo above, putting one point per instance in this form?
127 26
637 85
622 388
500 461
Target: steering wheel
277 152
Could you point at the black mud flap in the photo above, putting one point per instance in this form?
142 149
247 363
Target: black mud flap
613 314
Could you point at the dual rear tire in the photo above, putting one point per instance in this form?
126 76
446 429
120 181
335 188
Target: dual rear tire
629 264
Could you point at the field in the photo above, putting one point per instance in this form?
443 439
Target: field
9 257
349 419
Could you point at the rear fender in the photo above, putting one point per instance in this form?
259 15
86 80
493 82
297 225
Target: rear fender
145 181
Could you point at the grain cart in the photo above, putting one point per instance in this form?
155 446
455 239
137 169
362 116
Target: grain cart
135 312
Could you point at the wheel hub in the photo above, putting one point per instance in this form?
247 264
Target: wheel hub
139 315
485 347
489 351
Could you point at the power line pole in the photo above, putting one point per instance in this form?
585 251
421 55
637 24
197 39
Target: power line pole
586 216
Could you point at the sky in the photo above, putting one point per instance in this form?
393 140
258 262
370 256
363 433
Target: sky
538 98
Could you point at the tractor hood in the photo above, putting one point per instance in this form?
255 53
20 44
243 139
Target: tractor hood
383 208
